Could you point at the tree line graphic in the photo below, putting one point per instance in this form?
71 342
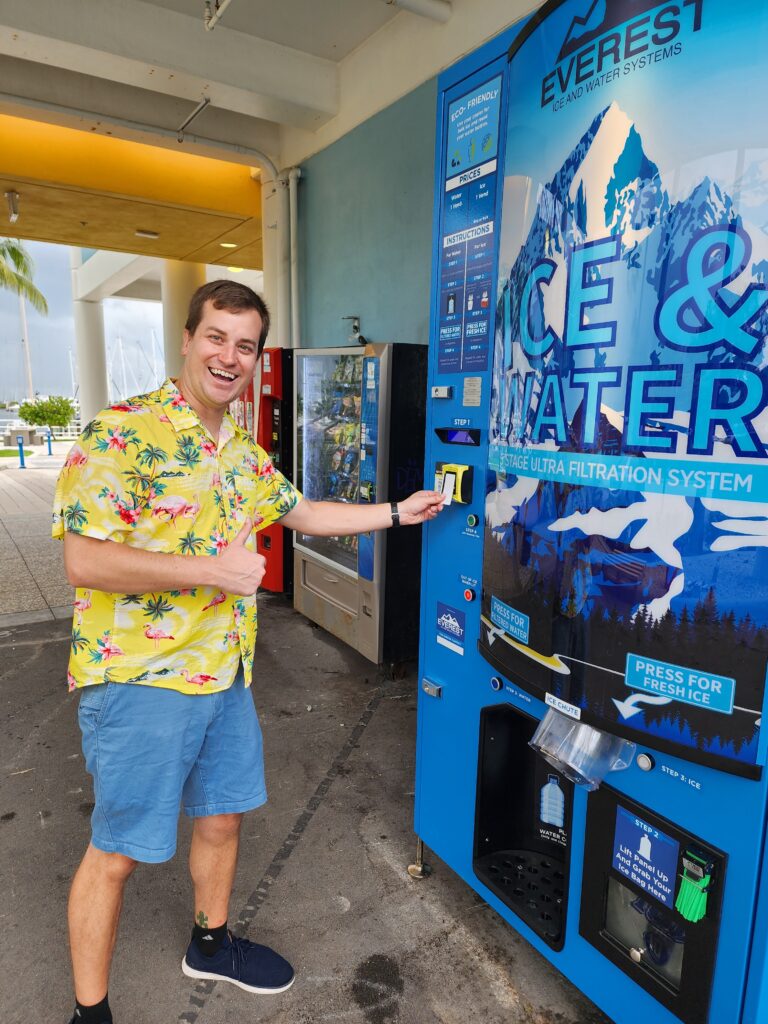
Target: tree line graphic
593 639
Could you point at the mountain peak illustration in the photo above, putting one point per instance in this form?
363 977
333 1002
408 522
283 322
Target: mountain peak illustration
598 18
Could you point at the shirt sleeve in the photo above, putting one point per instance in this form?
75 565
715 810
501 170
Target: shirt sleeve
102 489
275 496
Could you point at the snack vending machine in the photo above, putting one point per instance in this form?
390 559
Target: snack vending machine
275 435
591 744
245 408
359 428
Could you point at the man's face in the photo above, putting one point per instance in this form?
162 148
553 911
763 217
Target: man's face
220 356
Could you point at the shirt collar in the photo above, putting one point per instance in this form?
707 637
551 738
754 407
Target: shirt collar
182 416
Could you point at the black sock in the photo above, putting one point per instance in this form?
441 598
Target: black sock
99 1013
209 940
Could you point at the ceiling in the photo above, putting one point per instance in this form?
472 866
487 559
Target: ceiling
330 29
282 79
100 191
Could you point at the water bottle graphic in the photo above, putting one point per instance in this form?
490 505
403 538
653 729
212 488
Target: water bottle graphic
552 803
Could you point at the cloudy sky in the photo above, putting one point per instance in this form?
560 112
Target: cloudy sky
52 338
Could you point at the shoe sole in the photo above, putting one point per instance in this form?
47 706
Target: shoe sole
210 976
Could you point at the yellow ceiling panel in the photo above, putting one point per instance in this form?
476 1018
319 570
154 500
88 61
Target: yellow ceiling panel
244 237
249 257
45 152
88 190
73 217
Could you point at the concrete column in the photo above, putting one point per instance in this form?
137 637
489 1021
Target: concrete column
178 283
276 260
91 353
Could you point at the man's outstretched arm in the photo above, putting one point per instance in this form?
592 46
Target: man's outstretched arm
121 569
337 518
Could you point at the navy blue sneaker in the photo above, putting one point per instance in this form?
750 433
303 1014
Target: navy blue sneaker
245 964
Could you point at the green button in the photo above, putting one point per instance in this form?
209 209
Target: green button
472 519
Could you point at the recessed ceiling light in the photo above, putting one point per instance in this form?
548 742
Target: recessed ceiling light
141 233
228 245
235 270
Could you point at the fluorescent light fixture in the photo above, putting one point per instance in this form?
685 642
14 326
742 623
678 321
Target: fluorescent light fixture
142 233
13 206
228 245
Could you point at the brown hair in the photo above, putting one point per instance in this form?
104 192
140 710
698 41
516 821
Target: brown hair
232 296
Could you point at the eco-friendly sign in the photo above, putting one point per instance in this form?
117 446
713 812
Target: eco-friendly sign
627 527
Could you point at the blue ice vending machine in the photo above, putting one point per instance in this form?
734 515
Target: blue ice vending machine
594 631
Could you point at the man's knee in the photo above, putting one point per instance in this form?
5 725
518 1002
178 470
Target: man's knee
218 828
113 867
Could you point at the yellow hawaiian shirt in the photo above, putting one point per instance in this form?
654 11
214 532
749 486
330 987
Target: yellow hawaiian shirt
147 473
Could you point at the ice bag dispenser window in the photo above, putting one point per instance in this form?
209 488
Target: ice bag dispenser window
640 872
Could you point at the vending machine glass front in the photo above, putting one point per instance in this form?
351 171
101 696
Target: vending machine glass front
328 405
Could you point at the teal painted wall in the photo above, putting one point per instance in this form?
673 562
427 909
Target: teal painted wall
365 227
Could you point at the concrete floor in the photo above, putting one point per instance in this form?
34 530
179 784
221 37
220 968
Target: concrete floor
322 874
32 583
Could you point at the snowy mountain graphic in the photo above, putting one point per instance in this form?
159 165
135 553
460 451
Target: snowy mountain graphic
600 17
600 571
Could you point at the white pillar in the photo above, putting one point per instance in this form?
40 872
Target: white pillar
179 282
91 353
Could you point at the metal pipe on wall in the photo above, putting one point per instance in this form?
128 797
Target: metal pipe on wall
437 10
293 198
211 16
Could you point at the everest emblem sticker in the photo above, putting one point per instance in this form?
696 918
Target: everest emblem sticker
450 628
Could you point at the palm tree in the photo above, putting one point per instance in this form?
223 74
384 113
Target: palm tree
16 272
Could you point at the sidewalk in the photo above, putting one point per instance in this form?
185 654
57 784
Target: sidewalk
33 587
322 873
323 867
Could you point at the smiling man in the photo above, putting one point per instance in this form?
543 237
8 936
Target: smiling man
157 503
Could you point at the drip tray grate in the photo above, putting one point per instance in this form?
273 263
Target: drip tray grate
532 885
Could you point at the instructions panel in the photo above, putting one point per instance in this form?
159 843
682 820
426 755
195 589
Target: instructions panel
469 234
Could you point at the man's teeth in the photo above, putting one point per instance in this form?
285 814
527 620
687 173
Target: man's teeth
222 373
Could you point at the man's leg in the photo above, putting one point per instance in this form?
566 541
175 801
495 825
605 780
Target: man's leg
227 780
212 863
95 901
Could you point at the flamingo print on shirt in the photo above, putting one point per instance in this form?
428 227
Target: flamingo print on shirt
81 605
157 634
199 679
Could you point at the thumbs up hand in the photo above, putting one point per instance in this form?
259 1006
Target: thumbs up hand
236 570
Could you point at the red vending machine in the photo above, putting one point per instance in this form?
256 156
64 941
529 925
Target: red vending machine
274 432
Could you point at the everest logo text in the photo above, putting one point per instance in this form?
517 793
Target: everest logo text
612 33
450 624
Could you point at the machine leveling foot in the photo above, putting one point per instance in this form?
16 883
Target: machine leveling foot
419 869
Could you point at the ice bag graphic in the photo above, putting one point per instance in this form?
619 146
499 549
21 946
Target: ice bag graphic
552 810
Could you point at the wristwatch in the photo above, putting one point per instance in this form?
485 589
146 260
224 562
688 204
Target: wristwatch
395 513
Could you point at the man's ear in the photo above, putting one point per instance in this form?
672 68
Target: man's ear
185 342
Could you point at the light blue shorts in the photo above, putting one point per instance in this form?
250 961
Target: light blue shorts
151 751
